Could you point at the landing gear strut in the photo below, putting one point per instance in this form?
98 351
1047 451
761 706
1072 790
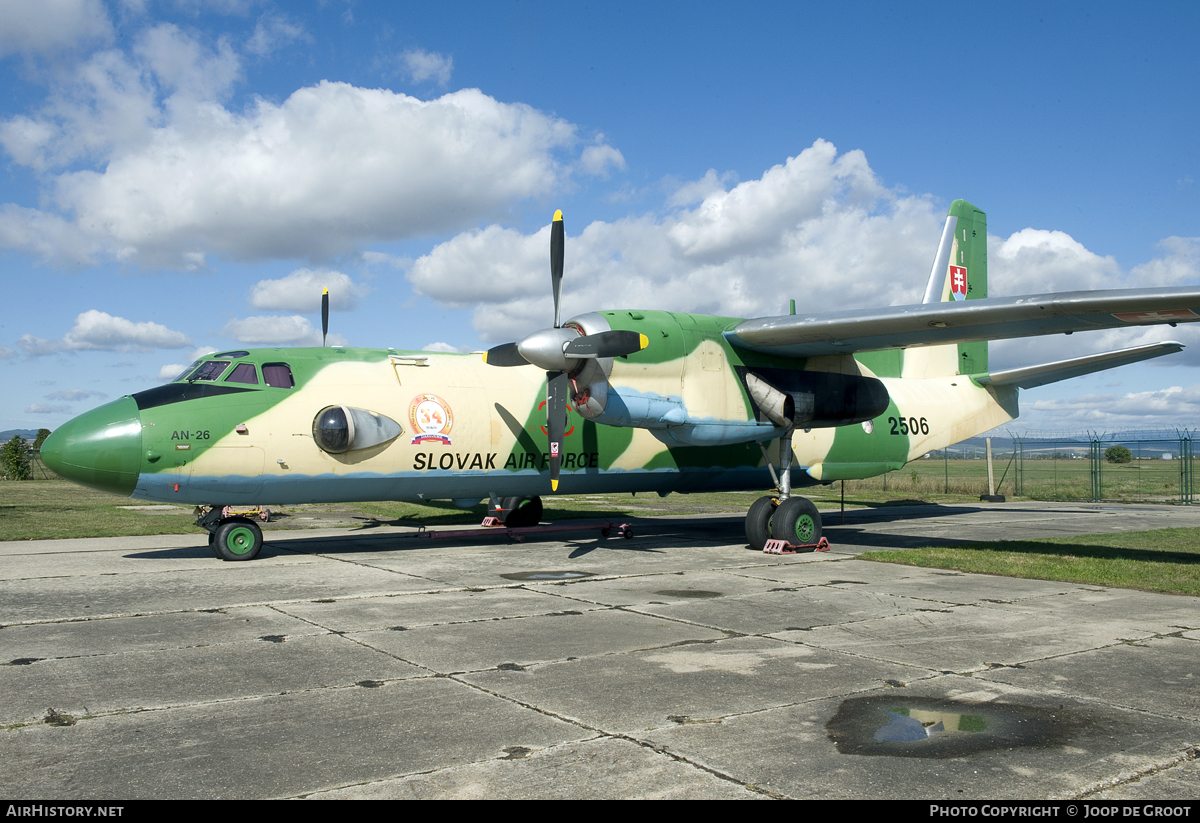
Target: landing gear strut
794 520
229 538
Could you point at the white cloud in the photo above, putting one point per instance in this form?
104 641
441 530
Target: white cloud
98 331
598 158
272 31
47 408
685 194
329 169
1036 261
420 65
170 371
1166 407
49 27
301 291
292 330
440 347
75 395
819 228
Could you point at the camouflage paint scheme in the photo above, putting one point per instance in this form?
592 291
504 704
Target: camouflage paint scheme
254 444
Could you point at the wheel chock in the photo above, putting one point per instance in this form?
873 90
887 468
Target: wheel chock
784 547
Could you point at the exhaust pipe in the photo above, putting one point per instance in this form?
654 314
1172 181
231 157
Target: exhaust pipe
784 409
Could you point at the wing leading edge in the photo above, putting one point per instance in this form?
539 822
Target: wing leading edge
993 318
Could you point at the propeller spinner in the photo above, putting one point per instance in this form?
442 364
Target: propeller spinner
561 351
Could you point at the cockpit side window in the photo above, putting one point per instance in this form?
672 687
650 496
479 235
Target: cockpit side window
243 373
278 375
209 370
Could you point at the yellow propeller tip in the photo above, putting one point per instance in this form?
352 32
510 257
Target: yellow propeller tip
553 485
644 340
558 216
326 290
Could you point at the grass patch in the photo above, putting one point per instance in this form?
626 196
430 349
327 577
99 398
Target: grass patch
52 509
49 509
1162 560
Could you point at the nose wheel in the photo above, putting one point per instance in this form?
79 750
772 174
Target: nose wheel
236 539
230 538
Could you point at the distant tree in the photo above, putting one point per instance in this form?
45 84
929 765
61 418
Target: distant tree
14 459
1118 454
41 436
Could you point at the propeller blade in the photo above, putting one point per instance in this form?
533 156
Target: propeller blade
557 239
324 315
606 344
557 388
504 355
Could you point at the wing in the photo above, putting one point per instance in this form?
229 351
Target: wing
1030 377
993 318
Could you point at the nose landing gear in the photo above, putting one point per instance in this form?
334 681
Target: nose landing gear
229 538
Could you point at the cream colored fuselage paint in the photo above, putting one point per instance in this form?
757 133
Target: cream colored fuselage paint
490 406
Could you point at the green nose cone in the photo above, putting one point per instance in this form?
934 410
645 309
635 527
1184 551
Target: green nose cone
101 449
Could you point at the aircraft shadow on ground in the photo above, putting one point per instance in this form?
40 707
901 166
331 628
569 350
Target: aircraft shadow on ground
714 529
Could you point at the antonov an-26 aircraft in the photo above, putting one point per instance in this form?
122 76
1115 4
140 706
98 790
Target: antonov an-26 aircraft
609 401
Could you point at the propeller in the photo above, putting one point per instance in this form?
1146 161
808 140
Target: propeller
559 351
324 315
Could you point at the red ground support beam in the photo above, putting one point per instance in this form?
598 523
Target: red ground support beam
605 528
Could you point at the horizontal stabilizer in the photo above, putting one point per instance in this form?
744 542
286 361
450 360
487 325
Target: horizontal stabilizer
1032 376
992 318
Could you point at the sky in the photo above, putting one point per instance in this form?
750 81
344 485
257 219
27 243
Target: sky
182 177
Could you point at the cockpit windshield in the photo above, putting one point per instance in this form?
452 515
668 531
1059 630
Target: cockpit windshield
208 370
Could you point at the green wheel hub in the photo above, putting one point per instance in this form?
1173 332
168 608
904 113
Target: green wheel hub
805 529
240 540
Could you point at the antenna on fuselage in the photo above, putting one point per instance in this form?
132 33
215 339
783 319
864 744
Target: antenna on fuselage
324 316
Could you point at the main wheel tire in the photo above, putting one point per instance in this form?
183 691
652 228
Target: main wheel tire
237 539
522 512
797 521
758 522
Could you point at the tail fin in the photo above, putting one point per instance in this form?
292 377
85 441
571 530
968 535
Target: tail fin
960 268
959 273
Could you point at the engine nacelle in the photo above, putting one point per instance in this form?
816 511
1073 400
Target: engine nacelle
589 385
814 399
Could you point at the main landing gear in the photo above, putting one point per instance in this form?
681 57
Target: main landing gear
794 520
233 537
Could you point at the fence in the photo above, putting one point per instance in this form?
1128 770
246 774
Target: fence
1160 468
1106 467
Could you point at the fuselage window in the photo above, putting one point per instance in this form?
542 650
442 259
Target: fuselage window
278 375
243 373
209 370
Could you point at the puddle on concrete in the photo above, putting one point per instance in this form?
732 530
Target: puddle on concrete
699 594
897 726
546 575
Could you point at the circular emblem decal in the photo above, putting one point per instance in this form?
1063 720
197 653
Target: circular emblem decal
431 419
